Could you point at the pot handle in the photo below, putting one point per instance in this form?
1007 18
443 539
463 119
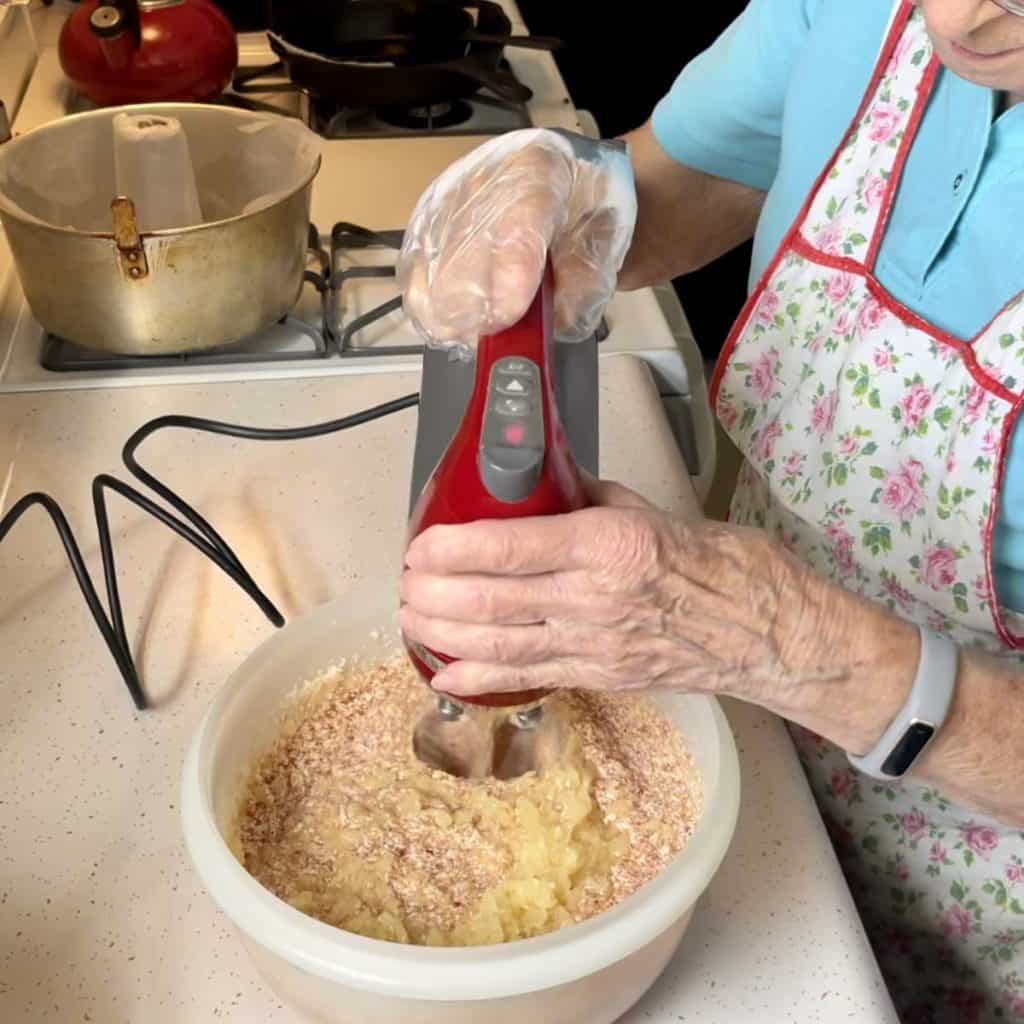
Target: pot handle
130 251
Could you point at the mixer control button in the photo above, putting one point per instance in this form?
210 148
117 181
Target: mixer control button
514 433
515 366
512 406
512 442
514 386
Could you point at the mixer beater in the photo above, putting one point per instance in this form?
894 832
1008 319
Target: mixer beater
500 436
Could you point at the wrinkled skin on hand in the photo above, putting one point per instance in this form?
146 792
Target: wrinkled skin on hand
620 596
477 243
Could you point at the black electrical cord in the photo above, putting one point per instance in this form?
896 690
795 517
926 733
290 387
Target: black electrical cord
200 534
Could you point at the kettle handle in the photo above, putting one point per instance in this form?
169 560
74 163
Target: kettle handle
116 26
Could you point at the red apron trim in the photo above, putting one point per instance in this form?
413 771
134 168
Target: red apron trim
924 91
1015 640
963 348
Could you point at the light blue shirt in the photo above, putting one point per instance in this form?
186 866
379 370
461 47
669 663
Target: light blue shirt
767 104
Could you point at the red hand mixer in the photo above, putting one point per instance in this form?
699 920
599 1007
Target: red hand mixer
510 457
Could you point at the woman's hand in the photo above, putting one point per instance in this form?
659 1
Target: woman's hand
478 240
622 596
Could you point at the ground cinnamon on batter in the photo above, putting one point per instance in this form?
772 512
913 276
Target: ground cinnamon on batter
341 820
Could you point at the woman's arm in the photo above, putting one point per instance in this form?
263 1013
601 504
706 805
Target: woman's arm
621 596
685 218
849 682
977 758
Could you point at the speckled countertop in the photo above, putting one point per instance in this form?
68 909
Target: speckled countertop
101 916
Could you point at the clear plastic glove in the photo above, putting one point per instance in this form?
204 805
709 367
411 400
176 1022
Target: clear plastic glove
477 243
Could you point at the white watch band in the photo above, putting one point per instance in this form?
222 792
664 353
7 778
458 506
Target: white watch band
923 714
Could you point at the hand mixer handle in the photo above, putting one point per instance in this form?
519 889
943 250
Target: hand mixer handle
511 455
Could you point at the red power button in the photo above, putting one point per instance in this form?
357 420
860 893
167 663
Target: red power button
514 433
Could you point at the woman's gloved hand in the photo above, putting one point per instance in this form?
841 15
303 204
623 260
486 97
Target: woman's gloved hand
476 245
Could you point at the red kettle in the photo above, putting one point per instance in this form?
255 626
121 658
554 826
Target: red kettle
118 52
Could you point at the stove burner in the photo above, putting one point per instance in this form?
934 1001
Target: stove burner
441 115
334 122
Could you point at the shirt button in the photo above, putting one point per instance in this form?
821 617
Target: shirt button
957 182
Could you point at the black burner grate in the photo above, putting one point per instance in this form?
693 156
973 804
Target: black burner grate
347 237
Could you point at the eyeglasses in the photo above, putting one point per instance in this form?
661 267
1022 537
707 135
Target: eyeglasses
1011 6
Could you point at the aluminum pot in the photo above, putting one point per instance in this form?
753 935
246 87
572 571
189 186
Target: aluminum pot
92 270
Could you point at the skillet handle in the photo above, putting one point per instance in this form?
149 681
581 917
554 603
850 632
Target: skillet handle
520 42
504 85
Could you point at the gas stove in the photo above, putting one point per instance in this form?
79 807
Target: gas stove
374 164
348 319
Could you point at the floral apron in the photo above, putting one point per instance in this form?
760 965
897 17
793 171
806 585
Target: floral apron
874 446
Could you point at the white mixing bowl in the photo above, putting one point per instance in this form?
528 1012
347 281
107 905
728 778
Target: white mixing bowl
588 973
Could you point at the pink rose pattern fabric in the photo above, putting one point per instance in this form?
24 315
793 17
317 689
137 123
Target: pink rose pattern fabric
871 431
871 451
843 218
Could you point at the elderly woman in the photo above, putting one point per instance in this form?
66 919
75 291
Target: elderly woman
870 582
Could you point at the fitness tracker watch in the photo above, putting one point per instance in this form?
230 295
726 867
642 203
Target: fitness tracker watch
923 714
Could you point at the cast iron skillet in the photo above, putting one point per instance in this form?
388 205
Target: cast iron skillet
343 50
412 33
